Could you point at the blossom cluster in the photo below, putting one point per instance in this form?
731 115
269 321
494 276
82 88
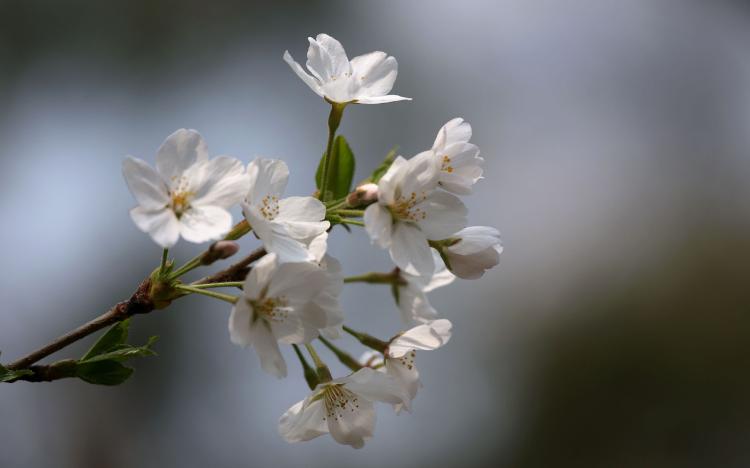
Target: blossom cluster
411 207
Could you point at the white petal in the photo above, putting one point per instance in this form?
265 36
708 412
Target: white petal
145 184
409 249
179 151
239 323
427 336
442 277
381 99
473 266
318 246
204 223
304 76
268 177
390 181
379 224
475 239
260 276
414 306
376 386
371 359
303 421
405 372
445 214
420 175
297 282
162 225
455 130
301 209
267 349
375 73
326 58
353 426
221 181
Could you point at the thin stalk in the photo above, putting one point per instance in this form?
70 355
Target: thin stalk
324 375
368 340
226 284
163 265
334 119
357 213
310 376
214 294
373 278
354 222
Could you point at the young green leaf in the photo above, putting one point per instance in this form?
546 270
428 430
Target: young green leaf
340 170
7 375
103 372
115 336
124 352
382 168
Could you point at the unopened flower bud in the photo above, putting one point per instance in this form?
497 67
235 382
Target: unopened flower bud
219 251
363 195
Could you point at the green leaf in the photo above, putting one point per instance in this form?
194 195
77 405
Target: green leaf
103 372
124 351
340 169
6 375
380 171
114 337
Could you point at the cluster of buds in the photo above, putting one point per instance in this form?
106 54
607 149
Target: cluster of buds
409 206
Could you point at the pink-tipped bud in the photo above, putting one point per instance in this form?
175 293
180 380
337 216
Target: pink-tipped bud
363 195
219 251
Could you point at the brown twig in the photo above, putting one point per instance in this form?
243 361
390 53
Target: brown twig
139 303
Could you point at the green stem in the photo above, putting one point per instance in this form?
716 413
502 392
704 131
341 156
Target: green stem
345 358
352 221
214 294
368 340
226 284
163 265
373 278
310 376
334 119
239 230
357 213
324 375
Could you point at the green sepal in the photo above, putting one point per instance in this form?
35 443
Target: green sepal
341 170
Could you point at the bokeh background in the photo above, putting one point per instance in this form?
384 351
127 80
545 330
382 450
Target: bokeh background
614 333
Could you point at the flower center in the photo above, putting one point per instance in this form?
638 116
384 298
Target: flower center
445 164
181 202
269 207
271 308
407 360
338 399
405 208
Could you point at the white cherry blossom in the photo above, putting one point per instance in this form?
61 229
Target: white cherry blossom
458 161
399 359
325 308
410 211
343 407
476 249
187 194
275 307
366 79
286 226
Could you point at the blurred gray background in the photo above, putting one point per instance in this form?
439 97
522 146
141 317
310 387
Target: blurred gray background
614 333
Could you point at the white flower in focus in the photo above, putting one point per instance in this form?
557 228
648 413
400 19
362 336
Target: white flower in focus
477 249
458 160
273 308
188 194
286 226
411 297
410 211
366 79
343 407
398 361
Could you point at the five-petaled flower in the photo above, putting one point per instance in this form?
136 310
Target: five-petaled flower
366 79
410 211
458 161
286 226
398 360
188 194
275 307
342 407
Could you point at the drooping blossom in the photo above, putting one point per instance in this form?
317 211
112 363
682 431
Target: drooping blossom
458 161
